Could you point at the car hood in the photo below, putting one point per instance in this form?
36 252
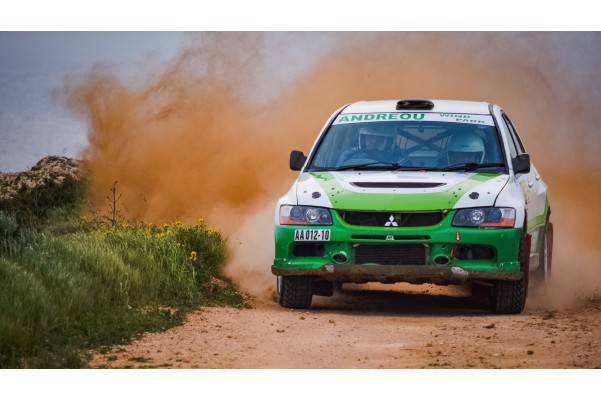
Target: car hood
398 190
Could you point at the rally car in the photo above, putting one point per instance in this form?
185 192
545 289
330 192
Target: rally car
417 191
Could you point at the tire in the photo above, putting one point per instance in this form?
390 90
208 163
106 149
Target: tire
295 292
509 297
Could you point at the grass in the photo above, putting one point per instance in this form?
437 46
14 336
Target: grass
68 287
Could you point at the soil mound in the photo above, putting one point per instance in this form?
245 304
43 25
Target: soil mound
49 171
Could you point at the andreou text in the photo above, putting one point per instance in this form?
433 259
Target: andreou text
380 117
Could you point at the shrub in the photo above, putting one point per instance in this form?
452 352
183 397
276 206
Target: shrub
67 285
63 294
34 206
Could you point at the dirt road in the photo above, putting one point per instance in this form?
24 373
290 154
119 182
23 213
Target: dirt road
373 327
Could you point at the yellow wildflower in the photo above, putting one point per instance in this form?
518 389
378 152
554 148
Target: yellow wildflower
193 256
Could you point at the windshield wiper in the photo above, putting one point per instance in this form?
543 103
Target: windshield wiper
470 166
397 166
374 165
384 166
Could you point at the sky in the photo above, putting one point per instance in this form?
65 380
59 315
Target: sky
34 66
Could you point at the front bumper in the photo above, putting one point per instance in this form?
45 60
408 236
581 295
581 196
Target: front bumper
447 255
415 274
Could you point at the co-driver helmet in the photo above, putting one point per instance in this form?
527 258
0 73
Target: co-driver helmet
465 148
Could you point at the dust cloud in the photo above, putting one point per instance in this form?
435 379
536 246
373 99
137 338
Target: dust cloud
209 134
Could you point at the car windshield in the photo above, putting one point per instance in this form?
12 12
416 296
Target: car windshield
430 141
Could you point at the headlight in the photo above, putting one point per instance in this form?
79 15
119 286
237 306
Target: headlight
305 215
485 217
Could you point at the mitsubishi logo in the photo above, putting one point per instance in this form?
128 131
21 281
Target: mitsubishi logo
391 222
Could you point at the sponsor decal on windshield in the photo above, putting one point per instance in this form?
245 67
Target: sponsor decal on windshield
445 117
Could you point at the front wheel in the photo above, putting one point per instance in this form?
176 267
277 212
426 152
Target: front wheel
509 297
295 292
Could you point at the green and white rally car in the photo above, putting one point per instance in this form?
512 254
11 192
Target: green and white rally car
417 191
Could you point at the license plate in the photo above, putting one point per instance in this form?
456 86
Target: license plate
312 235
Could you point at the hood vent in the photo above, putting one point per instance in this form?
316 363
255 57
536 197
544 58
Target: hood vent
398 184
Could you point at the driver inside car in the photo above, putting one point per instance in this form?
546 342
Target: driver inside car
372 145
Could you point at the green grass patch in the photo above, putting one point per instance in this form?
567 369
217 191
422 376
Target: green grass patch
66 288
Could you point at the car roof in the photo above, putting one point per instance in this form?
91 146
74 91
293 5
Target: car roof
440 106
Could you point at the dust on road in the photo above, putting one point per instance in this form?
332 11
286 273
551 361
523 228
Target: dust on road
373 327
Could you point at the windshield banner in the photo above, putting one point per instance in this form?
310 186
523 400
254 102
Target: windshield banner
444 117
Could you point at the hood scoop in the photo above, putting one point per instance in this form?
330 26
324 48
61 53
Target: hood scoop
398 184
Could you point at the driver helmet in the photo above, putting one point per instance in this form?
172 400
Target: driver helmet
372 139
465 148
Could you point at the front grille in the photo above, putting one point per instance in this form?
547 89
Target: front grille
391 219
391 254
391 237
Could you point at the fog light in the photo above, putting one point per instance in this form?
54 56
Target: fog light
340 258
441 260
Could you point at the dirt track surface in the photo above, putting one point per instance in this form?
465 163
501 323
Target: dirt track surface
372 328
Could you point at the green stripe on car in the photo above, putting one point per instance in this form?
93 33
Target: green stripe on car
342 198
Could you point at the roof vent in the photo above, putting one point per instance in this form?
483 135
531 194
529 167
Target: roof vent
414 104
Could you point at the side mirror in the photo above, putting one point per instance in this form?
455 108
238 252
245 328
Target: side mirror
297 160
521 163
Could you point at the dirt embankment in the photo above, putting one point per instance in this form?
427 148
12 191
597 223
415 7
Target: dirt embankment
49 171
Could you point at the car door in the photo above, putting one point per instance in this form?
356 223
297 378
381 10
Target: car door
534 189
531 182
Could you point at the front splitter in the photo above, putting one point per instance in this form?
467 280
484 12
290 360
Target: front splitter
389 274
